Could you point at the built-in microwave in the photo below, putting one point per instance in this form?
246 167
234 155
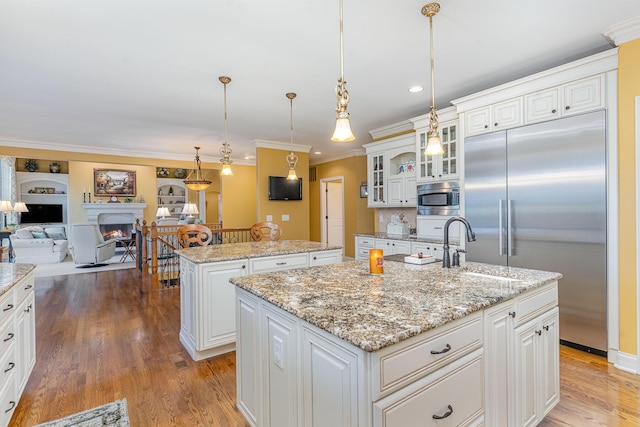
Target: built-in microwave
439 198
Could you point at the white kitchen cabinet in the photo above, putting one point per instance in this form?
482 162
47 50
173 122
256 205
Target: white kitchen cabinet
207 309
325 257
331 395
536 368
26 340
444 166
502 115
392 247
363 245
18 348
248 360
522 353
432 227
542 105
280 364
392 159
583 95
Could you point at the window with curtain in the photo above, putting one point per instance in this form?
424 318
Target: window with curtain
8 189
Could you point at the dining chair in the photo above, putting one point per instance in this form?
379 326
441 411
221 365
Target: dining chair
194 235
265 230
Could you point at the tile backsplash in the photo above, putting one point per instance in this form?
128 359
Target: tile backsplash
387 215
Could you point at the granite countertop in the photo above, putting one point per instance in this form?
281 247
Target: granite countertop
233 251
373 312
406 237
11 273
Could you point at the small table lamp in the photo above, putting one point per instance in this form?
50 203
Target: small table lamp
5 206
190 209
20 207
163 212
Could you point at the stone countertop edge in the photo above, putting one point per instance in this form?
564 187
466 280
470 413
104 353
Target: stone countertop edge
11 273
406 237
373 312
235 251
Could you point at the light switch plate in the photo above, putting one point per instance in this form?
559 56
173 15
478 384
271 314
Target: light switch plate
269 218
285 217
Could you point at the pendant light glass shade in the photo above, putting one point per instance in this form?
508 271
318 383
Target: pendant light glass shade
225 150
342 132
434 145
196 181
292 159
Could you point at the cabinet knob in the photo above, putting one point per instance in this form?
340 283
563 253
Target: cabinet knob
495 124
315 258
486 126
445 415
553 111
512 314
568 107
244 266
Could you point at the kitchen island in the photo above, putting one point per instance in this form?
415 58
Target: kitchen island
17 334
207 309
476 345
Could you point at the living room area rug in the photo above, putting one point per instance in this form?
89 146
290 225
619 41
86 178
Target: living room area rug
69 267
112 414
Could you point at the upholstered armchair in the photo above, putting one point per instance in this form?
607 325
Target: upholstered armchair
88 246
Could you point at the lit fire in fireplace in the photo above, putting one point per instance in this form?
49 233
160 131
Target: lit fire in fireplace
116 231
115 234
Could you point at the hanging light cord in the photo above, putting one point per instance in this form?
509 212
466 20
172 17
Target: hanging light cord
341 89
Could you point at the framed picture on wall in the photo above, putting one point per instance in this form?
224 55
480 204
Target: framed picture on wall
114 182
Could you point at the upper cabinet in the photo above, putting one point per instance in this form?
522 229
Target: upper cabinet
445 166
391 165
573 88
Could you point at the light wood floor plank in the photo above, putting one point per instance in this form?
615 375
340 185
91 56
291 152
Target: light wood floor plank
104 336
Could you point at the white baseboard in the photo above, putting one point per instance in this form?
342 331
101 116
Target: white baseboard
623 361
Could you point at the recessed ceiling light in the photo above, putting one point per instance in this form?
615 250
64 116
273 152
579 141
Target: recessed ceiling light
317 152
415 89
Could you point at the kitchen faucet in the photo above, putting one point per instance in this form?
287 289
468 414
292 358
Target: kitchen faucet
471 237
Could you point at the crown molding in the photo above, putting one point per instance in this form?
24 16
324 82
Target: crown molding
277 145
623 32
353 153
391 130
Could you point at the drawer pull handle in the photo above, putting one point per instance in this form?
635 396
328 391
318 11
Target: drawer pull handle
26 288
11 366
512 314
8 307
446 414
546 328
13 405
9 337
444 350
539 332
281 263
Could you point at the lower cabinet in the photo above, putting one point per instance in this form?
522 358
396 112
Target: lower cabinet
522 353
207 309
392 247
18 345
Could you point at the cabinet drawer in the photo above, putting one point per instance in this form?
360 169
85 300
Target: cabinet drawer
325 257
536 302
24 287
7 305
8 399
8 366
7 337
366 242
399 365
275 263
456 394
363 253
433 228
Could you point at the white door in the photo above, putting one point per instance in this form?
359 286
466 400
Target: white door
334 218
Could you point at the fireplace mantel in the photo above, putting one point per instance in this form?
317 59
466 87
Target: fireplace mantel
94 210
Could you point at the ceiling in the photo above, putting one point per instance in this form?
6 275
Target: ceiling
140 77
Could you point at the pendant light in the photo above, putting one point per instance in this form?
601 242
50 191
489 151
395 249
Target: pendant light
225 150
196 181
434 146
292 159
342 132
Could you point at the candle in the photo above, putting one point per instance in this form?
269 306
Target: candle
375 261
84 189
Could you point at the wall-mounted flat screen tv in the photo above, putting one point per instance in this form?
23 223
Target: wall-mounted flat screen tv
40 213
280 188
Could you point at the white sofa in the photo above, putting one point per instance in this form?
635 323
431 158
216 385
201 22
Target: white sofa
40 245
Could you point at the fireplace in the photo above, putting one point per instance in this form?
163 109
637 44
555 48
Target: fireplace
116 231
115 220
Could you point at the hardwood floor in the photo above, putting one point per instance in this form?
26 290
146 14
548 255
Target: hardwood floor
100 338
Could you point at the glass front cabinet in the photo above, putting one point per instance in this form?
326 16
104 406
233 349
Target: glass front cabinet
377 179
442 167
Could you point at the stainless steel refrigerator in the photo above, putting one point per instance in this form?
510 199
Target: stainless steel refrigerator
536 198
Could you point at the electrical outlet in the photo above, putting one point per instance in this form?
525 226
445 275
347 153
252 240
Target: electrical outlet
285 217
381 218
277 352
269 218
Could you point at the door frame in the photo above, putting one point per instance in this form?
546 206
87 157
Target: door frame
323 208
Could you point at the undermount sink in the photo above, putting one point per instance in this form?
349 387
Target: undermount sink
472 274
